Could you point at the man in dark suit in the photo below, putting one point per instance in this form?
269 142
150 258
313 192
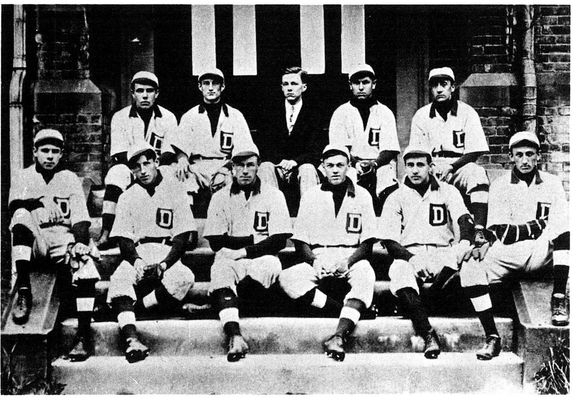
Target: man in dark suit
290 139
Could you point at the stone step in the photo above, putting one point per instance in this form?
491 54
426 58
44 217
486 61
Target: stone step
365 373
284 335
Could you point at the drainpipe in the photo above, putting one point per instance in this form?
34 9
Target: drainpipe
17 90
529 87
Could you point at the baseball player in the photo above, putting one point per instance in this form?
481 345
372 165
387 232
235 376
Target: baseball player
333 235
247 225
153 225
143 119
528 223
417 230
291 139
368 129
50 226
451 129
207 134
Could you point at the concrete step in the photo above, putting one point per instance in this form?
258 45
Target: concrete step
365 373
284 335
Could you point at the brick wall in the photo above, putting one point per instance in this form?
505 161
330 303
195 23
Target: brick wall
552 49
65 98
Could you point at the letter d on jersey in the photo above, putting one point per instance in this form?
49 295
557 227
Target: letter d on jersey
374 135
543 210
64 205
353 223
227 141
164 218
459 139
261 221
437 214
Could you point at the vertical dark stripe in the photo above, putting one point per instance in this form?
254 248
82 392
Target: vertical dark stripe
224 39
278 39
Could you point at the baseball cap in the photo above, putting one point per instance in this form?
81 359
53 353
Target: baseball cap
244 151
48 136
137 149
415 150
216 72
524 136
145 77
442 72
361 68
332 149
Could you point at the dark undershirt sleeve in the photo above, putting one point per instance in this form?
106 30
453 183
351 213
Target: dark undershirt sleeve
30 205
80 231
233 242
363 251
385 157
178 248
269 246
465 159
396 250
304 252
128 250
466 228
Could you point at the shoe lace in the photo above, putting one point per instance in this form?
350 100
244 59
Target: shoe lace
559 307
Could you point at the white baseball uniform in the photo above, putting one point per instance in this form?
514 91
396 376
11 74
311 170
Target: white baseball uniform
127 127
151 220
51 238
512 201
450 139
210 150
346 129
262 215
425 226
333 237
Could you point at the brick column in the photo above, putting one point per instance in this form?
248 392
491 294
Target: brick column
64 96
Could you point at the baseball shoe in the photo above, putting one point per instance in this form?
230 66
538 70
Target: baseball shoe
371 313
22 307
238 348
80 352
432 345
334 347
560 315
135 350
491 348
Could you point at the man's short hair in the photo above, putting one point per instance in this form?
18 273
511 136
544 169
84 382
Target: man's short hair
297 70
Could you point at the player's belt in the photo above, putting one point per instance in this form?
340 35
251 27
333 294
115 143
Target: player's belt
160 240
446 154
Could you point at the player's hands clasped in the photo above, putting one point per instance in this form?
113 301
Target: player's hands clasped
463 251
182 169
421 265
443 171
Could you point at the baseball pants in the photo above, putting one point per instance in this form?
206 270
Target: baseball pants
471 179
177 279
227 273
297 280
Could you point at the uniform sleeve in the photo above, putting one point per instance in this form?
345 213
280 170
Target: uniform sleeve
455 203
78 203
559 211
302 224
279 222
216 223
18 187
389 141
242 129
184 221
337 130
390 225
498 205
124 221
118 134
369 219
475 140
419 136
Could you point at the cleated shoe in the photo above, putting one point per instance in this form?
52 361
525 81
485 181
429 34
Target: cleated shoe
334 347
80 352
432 345
135 350
491 348
22 307
560 316
238 348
